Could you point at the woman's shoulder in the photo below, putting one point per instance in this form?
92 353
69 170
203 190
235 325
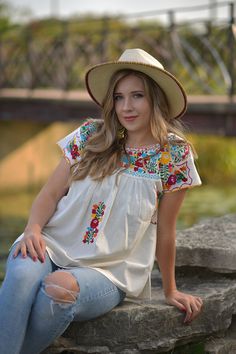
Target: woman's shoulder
74 143
179 148
90 125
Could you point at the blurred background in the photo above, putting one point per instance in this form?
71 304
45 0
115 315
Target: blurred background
45 49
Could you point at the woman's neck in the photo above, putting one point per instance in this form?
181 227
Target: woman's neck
140 139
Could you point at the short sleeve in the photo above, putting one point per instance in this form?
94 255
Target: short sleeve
73 144
177 168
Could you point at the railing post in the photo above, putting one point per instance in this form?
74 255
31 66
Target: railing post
229 121
1 64
29 57
231 40
172 29
105 33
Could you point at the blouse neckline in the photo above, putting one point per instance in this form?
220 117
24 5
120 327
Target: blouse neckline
143 148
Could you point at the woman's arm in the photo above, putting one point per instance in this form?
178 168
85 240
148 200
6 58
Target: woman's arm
165 252
42 209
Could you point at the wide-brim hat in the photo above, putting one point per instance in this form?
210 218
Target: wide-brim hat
98 77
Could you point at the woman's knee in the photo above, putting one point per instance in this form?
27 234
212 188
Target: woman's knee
61 286
21 272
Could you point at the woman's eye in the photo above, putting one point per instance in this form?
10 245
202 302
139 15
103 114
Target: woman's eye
117 97
138 95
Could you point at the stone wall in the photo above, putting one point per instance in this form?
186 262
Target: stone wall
205 266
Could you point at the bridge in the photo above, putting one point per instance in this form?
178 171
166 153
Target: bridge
42 77
205 114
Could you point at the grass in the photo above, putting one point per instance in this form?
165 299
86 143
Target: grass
206 201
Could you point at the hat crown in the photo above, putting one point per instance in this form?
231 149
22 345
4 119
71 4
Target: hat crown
139 56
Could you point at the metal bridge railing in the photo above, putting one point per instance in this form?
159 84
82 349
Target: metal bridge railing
56 53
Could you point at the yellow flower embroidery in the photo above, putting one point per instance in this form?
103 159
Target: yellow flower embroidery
165 157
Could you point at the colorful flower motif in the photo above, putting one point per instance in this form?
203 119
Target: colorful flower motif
96 217
165 157
179 152
74 151
142 162
172 180
76 145
177 177
168 164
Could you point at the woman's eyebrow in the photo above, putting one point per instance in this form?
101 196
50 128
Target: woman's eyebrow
136 91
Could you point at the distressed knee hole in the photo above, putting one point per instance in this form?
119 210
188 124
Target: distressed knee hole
62 287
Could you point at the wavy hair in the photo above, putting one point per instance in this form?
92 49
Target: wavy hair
102 153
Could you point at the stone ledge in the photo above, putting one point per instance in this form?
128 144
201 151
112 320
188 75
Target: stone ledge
203 253
153 326
210 244
224 344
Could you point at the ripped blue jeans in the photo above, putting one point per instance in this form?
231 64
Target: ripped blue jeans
30 319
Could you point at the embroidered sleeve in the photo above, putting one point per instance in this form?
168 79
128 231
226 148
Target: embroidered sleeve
73 144
177 168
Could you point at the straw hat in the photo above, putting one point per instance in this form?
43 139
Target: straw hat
98 77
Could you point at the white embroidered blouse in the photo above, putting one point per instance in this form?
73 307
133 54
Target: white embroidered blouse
108 225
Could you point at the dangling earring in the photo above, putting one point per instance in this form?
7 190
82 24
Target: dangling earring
121 133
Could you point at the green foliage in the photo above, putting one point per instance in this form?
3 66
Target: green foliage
197 348
5 22
91 39
217 159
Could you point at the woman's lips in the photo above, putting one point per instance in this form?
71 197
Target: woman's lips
130 118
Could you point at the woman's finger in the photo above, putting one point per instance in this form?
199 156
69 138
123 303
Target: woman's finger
178 304
196 306
40 249
199 301
189 312
23 249
31 250
17 250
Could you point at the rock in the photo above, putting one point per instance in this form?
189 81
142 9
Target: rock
210 244
225 344
153 326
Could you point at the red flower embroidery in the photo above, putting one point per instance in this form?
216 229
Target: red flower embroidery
97 215
74 151
94 223
172 180
138 163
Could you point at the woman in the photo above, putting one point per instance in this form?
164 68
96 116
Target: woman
113 199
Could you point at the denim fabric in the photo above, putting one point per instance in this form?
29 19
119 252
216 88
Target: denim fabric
30 319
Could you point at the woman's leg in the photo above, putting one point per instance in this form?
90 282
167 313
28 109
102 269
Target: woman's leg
66 295
17 293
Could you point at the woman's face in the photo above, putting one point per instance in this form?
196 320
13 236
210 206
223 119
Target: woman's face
132 105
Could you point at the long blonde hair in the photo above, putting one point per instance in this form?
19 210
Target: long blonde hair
102 153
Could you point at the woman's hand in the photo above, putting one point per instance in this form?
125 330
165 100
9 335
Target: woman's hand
192 305
32 243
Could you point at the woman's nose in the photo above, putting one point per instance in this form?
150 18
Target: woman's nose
127 105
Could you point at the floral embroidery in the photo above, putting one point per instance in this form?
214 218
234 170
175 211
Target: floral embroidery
75 146
142 162
179 152
96 216
175 172
165 157
169 163
74 150
177 177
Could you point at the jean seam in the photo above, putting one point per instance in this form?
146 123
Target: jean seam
99 295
